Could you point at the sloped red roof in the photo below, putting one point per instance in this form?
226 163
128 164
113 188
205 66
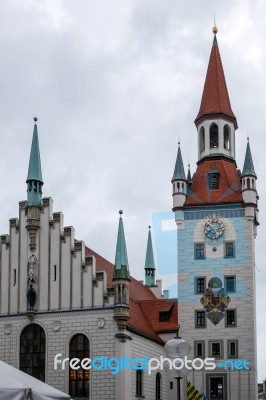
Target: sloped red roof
215 99
152 310
139 322
144 306
229 184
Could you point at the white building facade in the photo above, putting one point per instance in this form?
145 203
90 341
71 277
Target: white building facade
57 296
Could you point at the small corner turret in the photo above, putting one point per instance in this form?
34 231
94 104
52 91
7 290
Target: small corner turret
179 182
149 263
249 190
34 204
121 279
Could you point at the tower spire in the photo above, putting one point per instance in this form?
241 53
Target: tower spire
215 100
179 172
248 169
149 262
34 178
121 270
189 179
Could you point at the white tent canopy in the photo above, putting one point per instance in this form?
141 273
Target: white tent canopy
16 385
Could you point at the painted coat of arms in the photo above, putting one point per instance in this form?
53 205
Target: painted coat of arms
215 301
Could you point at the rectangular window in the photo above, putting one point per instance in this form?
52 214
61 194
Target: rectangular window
230 320
230 284
216 388
171 385
200 319
199 349
55 272
200 285
216 349
229 249
199 251
232 348
139 382
14 277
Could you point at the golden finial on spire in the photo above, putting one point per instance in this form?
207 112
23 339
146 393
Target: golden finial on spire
215 29
248 136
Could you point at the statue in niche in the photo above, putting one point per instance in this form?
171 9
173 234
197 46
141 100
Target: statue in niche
32 266
31 296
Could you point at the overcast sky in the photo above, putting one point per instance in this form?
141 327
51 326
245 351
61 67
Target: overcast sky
115 84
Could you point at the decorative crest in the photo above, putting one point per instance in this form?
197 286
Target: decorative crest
215 300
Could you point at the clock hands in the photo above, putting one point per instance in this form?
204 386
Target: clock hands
211 225
214 230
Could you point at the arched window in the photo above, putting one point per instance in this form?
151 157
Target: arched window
183 187
79 380
32 351
158 386
202 139
139 382
214 137
227 143
178 186
248 183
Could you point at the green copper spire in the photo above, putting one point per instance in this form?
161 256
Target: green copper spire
179 172
121 270
248 169
149 263
34 179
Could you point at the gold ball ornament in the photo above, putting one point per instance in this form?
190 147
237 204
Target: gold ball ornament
215 30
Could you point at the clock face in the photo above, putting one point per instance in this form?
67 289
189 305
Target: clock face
214 228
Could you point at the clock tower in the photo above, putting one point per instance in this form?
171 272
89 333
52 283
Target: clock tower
217 217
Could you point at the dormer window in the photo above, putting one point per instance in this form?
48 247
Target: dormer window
213 178
214 181
214 136
164 316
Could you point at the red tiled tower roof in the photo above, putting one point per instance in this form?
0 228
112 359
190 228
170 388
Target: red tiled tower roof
229 184
215 100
